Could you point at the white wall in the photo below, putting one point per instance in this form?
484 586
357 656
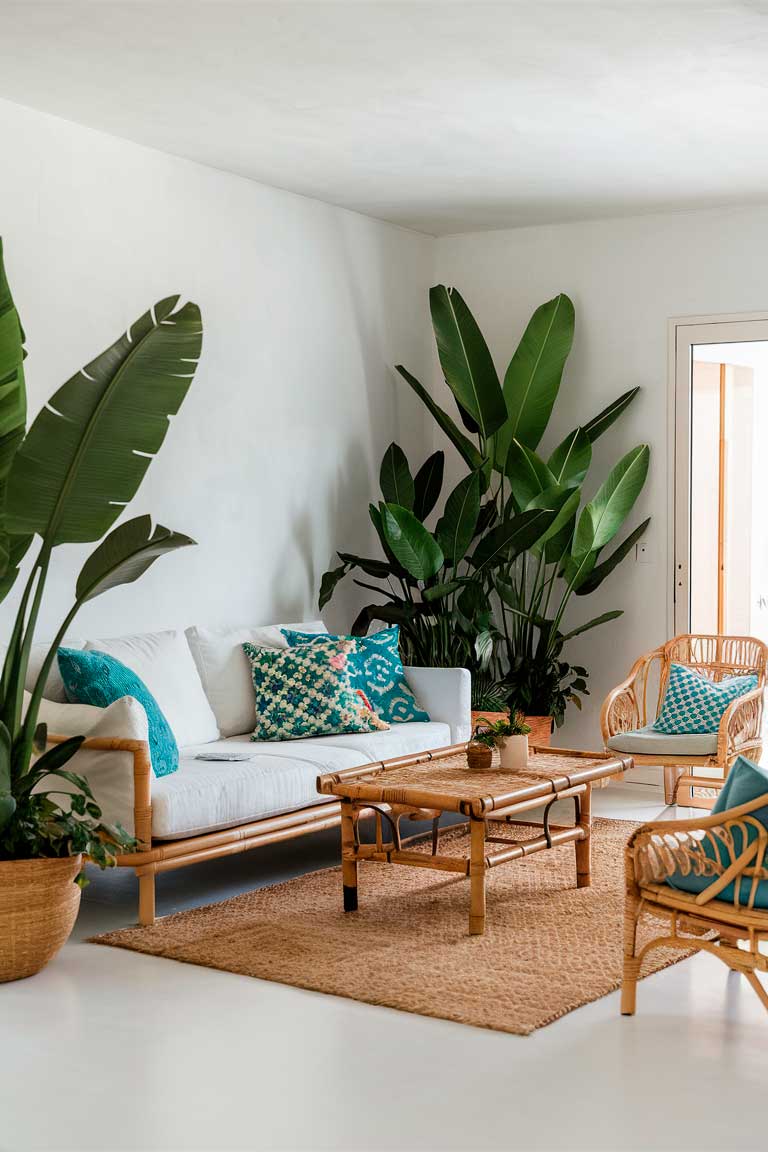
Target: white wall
273 457
626 277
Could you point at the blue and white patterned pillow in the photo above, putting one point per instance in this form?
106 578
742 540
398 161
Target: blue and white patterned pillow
377 671
695 704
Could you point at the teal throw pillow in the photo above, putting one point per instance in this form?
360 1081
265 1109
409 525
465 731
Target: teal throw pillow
693 703
377 671
307 691
746 781
92 677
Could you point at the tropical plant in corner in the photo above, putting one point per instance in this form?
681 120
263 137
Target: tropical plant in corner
505 619
66 480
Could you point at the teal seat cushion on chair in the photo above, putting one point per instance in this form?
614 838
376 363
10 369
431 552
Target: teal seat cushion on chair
377 671
746 781
92 677
693 703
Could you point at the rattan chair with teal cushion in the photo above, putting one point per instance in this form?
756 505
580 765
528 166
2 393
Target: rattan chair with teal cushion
706 879
696 702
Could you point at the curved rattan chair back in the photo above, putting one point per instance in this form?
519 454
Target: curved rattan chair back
709 655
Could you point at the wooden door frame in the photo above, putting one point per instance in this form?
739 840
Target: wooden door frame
683 333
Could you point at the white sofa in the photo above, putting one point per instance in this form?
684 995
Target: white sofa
209 808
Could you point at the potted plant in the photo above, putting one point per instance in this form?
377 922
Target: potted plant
97 438
499 607
510 736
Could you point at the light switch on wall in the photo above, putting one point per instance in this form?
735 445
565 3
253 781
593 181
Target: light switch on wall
643 552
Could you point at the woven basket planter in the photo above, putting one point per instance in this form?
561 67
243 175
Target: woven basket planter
541 730
491 717
39 902
479 757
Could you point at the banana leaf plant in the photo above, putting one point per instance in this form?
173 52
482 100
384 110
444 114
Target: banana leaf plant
430 579
504 619
67 480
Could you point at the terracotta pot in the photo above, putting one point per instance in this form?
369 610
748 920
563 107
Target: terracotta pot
541 730
513 753
491 717
39 901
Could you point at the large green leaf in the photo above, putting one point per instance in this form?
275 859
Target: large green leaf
602 518
565 503
415 547
569 463
469 453
527 473
605 567
428 484
510 538
328 584
125 555
456 527
13 417
400 613
466 362
533 377
603 619
380 569
88 449
7 802
395 478
604 419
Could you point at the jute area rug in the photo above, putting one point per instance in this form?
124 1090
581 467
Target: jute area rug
548 947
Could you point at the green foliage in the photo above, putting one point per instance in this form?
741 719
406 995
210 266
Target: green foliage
517 539
493 733
96 437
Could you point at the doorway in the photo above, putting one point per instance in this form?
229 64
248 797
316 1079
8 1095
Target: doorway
721 461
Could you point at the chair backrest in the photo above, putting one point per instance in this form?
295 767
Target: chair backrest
714 656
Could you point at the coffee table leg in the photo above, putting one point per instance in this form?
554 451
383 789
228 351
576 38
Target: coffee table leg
584 847
348 861
477 872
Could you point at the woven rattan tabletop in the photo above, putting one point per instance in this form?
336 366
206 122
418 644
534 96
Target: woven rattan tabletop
442 779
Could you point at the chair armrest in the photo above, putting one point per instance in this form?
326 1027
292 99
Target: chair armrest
623 710
115 759
446 694
741 725
658 850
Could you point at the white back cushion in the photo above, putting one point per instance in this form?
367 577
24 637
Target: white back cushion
225 671
164 662
54 685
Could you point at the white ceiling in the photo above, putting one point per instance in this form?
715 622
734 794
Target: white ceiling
441 116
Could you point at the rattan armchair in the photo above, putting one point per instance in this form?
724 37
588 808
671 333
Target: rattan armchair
730 929
636 702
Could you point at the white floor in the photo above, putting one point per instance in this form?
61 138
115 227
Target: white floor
110 1050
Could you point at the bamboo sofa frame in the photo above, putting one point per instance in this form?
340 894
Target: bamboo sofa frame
165 855
661 848
627 708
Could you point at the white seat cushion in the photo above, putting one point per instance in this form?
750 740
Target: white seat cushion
647 742
226 673
164 662
281 776
401 740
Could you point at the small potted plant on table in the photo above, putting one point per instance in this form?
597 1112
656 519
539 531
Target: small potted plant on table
509 735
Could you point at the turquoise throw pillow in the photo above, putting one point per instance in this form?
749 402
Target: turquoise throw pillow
92 677
693 703
377 671
746 781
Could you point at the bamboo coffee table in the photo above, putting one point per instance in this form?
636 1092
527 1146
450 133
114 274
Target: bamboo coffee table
430 783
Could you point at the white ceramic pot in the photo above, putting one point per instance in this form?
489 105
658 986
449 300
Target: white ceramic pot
513 753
